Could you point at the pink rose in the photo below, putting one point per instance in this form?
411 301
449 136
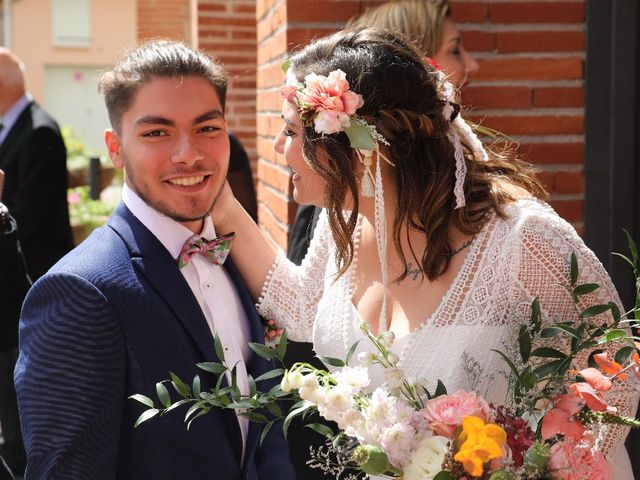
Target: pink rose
444 414
572 460
289 92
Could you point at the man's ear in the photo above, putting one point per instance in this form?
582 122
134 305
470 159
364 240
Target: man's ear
112 140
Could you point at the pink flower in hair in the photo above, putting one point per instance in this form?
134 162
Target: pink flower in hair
326 101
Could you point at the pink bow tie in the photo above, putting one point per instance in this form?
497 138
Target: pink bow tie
215 250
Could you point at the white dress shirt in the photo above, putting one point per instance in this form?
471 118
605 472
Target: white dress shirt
210 284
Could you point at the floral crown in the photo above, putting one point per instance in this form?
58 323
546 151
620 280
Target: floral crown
329 105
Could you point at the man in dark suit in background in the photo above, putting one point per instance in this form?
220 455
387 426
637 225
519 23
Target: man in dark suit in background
141 297
33 157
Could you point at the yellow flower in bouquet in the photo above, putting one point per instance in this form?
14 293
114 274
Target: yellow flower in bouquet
480 443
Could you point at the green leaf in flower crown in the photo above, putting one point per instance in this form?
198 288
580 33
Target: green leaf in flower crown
360 136
146 416
143 399
163 394
320 428
285 66
573 269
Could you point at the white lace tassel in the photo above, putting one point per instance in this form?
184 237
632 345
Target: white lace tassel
366 184
381 239
461 167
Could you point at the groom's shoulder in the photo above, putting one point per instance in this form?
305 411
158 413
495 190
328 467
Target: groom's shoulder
102 253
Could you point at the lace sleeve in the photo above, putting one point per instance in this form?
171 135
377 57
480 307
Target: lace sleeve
542 257
291 293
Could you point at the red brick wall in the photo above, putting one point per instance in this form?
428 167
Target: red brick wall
164 19
227 29
531 85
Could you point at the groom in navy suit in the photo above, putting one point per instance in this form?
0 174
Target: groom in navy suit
118 313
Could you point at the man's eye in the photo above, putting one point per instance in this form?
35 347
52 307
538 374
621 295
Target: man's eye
154 133
210 129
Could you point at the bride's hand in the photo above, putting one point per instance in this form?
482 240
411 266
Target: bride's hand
225 207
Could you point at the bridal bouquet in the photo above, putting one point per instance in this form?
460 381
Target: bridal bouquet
551 426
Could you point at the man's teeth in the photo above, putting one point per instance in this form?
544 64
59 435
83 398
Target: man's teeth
187 181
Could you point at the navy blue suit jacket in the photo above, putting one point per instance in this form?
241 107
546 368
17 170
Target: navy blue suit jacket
111 319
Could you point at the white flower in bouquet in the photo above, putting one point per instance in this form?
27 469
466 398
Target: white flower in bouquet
398 442
365 359
337 402
426 461
354 378
291 380
393 378
387 338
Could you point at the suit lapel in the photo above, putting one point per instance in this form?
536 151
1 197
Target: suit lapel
153 261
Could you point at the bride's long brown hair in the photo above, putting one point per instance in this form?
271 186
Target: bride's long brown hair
401 100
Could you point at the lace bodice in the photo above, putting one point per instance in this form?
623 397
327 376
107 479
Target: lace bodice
510 262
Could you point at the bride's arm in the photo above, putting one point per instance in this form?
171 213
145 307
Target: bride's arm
252 253
284 292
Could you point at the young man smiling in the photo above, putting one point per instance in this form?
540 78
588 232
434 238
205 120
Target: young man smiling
137 299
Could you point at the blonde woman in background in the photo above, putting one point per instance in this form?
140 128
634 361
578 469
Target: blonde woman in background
428 25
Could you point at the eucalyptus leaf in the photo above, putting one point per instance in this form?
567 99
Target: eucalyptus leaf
274 408
146 415
444 475
265 431
536 315
573 268
595 310
253 389
320 428
199 414
334 362
256 417
613 335
196 407
623 354
360 136
263 350
440 389
633 248
163 394
548 352
289 418
351 351
558 328
212 367
178 404
524 342
181 387
219 348
585 288
282 346
143 399
276 372
196 386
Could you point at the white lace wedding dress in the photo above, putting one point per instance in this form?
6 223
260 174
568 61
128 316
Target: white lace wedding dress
510 262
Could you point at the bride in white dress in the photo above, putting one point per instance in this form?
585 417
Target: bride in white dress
424 232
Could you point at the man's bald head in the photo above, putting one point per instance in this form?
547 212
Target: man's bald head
11 79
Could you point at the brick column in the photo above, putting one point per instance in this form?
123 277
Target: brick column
284 25
531 85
